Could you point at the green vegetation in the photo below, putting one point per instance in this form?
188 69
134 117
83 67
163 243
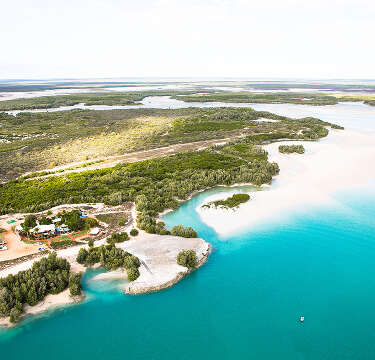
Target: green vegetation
113 219
132 273
134 232
75 222
262 98
230 202
31 141
55 244
288 149
75 286
187 258
369 100
117 238
187 232
107 98
47 102
158 184
47 276
109 257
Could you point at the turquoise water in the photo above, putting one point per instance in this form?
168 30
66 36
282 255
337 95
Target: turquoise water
245 303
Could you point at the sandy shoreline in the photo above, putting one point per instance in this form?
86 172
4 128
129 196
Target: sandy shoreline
158 270
50 302
341 161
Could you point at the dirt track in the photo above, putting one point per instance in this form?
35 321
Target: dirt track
137 156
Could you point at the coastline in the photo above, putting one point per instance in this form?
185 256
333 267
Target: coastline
342 160
49 303
159 269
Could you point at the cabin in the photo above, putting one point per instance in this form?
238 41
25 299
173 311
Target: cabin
43 231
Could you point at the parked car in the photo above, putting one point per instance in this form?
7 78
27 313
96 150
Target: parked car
3 247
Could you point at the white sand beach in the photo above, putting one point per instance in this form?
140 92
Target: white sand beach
342 160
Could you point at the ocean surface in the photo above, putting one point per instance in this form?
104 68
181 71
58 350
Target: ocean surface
246 301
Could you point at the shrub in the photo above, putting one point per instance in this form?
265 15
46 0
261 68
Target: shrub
117 238
187 258
133 232
91 243
90 223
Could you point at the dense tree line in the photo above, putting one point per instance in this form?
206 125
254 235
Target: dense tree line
263 98
49 275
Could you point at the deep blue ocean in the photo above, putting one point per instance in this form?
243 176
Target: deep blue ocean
244 303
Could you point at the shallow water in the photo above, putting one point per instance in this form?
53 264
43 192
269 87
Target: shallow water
355 115
244 303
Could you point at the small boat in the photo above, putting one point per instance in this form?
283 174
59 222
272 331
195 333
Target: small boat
302 319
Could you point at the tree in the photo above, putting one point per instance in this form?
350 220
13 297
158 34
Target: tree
73 220
133 273
90 223
131 261
117 238
6 302
133 232
91 243
75 286
187 258
14 315
45 221
29 223
82 255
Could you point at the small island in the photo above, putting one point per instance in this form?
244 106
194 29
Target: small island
229 203
289 149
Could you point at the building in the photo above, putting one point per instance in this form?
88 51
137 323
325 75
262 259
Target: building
43 231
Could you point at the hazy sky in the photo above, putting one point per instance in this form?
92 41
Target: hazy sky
190 38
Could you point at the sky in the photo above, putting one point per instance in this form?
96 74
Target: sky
190 38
